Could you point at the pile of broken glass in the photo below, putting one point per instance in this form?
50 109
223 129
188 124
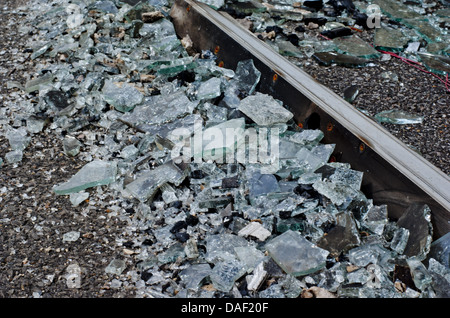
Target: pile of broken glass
352 34
227 196
416 29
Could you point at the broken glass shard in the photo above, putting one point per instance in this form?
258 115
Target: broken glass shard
39 83
224 274
18 138
264 110
389 39
194 275
376 219
398 116
417 219
14 156
435 63
397 10
148 182
71 236
286 48
116 267
328 58
71 146
41 50
425 29
342 237
177 66
172 254
220 141
123 96
339 194
209 89
440 250
420 275
250 256
370 253
215 4
92 174
77 198
221 247
355 46
399 240
262 184
243 83
307 137
35 125
295 254
161 109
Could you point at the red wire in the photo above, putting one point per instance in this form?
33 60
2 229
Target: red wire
409 62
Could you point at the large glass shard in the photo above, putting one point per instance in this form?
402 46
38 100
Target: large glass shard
160 109
286 48
397 10
435 63
243 83
221 141
225 273
92 174
342 237
123 96
264 110
295 254
425 29
355 46
149 181
328 58
417 219
389 39
398 116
